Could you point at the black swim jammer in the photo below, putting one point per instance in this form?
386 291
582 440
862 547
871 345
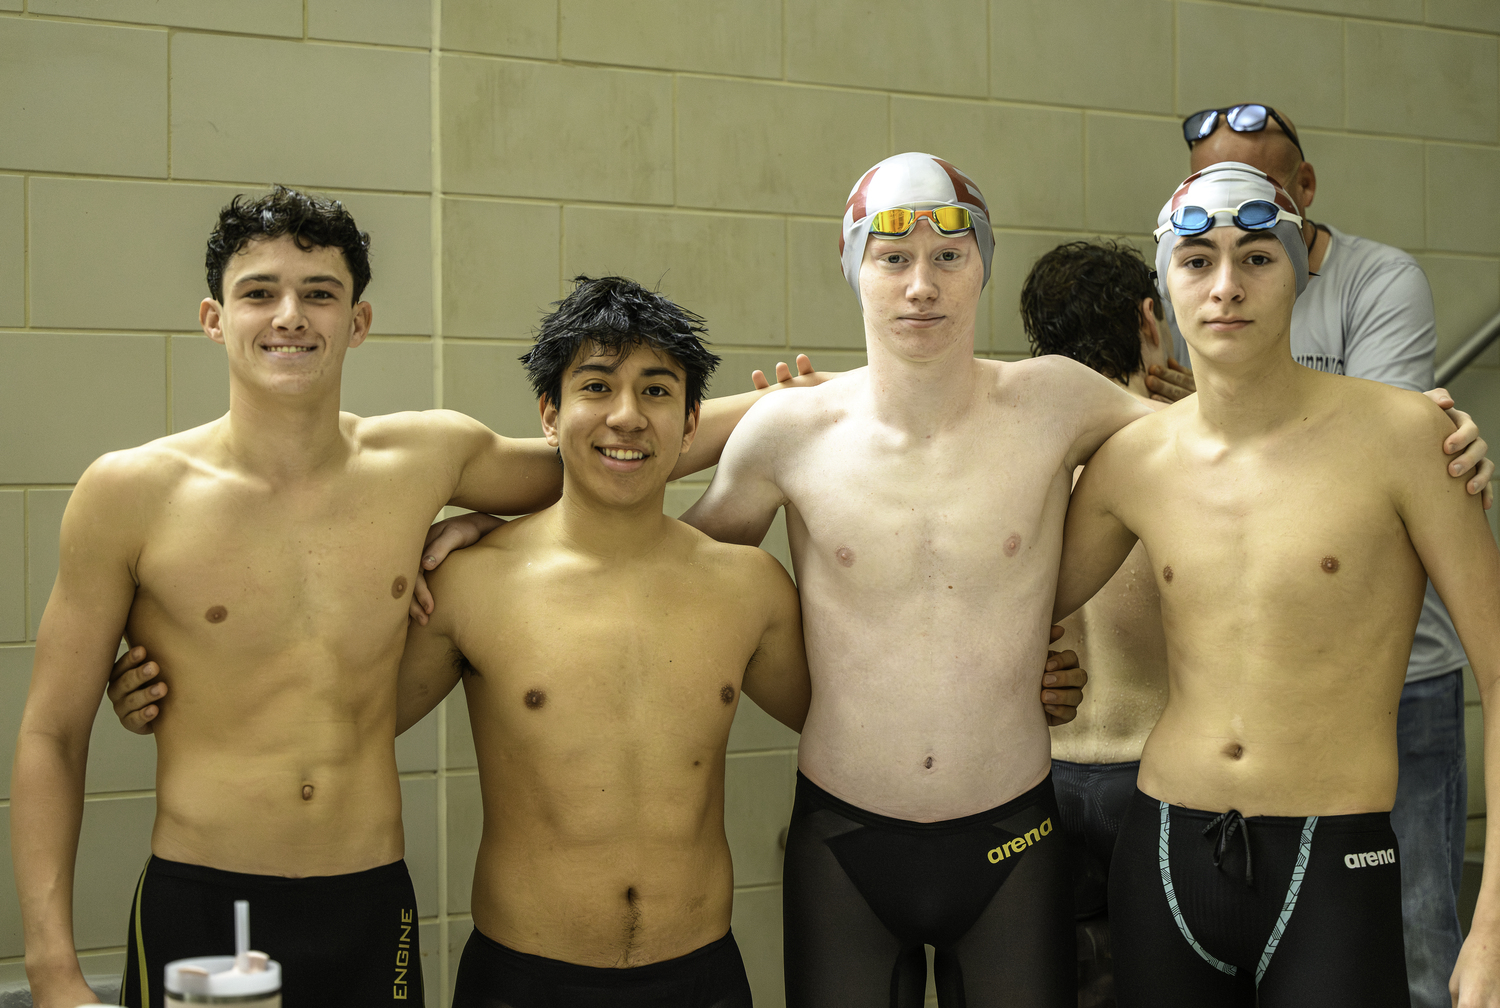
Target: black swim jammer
1279 911
863 893
490 975
343 941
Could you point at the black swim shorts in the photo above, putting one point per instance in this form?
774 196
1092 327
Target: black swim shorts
490 975
863 893
343 941
1280 911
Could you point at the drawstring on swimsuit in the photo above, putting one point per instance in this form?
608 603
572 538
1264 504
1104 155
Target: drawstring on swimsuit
1227 823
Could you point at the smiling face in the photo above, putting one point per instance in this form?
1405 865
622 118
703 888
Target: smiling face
1232 292
287 317
621 423
920 293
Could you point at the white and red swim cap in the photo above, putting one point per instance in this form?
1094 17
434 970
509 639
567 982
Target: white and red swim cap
1219 189
918 181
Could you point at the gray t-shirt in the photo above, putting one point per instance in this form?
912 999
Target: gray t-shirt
1368 314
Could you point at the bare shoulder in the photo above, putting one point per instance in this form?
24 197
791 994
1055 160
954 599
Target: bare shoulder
150 471
424 429
1052 374
795 412
745 570
1394 419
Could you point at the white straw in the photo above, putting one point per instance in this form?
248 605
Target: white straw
241 927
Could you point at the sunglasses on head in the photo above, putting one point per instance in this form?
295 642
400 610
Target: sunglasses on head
1251 215
898 222
1240 118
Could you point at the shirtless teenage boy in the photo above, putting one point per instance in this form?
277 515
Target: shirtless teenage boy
266 560
1308 510
605 646
925 497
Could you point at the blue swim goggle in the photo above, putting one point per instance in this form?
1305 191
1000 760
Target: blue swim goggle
1251 215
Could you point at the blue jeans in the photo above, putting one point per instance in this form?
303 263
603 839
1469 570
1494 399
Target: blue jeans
1430 820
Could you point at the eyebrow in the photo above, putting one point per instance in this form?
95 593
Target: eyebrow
254 278
1199 241
610 369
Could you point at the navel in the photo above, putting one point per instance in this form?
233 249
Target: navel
398 586
1234 750
726 694
535 699
216 614
307 792
1012 545
1166 573
1330 564
927 763
845 556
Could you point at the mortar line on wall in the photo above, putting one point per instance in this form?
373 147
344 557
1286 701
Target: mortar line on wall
167 390
786 282
26 251
435 197
26 566
562 245
304 20
169 104
1176 74
217 183
676 155
783 39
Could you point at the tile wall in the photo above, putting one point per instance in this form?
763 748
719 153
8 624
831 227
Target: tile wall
495 148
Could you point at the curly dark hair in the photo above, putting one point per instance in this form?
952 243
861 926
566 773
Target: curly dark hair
616 314
1083 300
311 221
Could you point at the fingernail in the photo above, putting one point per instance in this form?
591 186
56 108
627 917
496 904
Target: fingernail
1049 680
156 691
1049 697
1052 666
428 561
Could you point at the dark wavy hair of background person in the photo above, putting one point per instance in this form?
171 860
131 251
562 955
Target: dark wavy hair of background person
1083 300
312 221
615 314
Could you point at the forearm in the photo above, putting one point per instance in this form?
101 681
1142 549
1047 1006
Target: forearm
46 815
716 422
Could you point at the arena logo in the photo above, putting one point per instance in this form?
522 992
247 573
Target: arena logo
1370 858
403 957
1020 843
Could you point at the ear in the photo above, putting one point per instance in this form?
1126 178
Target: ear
359 326
211 318
1307 179
1150 327
690 428
549 419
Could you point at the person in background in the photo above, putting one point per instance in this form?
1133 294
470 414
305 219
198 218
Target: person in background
1367 313
1096 303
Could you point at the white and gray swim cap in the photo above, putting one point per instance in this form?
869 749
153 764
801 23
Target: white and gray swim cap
1220 189
918 181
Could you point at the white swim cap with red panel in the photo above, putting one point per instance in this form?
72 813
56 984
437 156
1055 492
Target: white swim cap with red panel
1229 184
920 182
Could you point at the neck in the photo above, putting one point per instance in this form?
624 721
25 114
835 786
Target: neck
922 396
605 531
284 436
1317 245
1251 397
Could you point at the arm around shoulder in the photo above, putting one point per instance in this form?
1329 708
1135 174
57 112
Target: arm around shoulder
493 473
777 677
741 502
1095 540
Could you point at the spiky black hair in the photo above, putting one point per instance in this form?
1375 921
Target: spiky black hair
1083 300
616 314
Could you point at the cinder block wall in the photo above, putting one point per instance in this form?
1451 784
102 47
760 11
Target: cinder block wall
496 148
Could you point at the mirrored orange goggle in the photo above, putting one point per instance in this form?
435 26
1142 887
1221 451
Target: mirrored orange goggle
897 222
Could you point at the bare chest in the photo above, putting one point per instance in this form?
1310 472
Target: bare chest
604 657
231 566
1314 540
969 510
